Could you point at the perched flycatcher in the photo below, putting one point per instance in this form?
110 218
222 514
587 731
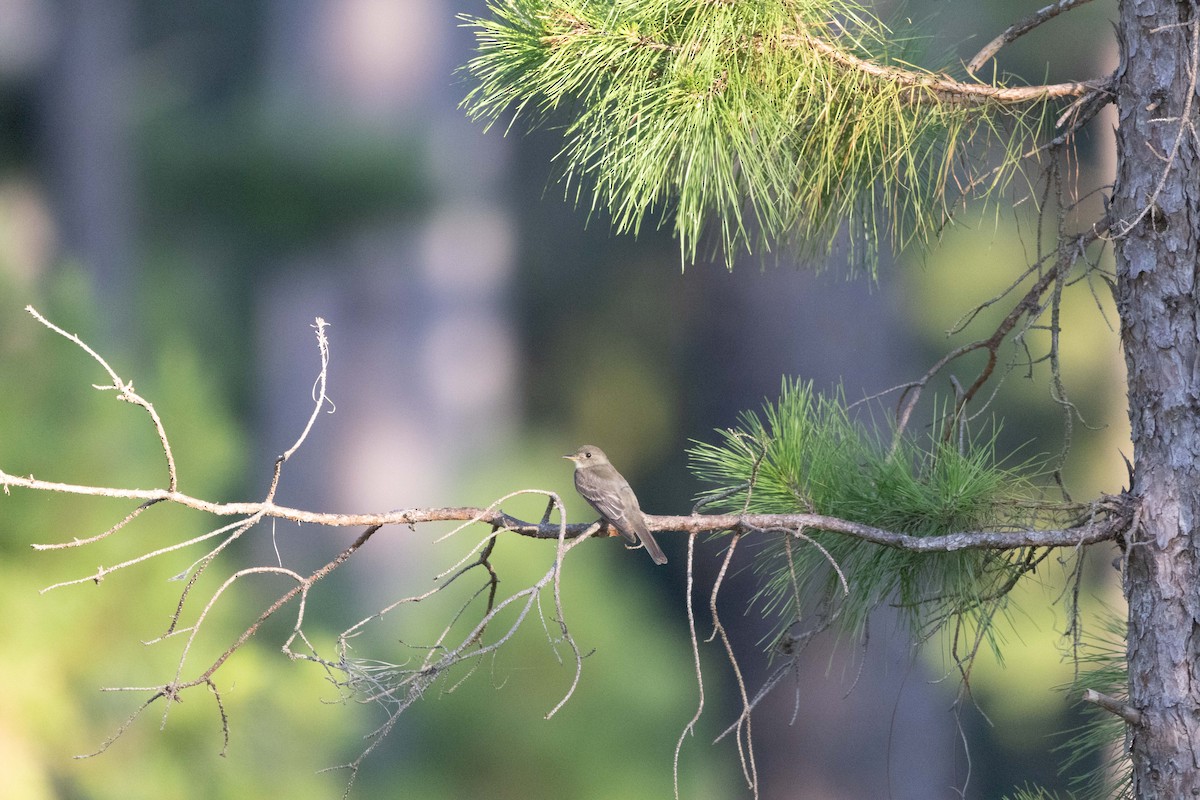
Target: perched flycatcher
607 491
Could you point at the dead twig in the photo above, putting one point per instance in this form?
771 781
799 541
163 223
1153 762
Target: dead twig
1019 29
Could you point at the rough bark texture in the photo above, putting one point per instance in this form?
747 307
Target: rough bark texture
1156 203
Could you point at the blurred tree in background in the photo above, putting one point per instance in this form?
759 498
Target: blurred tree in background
187 184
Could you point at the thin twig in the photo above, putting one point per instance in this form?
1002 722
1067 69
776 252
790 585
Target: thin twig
1030 307
743 726
690 728
1019 29
320 398
124 392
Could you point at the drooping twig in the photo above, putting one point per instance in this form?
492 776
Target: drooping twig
170 692
744 724
396 687
690 728
791 645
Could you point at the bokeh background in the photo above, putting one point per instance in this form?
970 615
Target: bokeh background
189 183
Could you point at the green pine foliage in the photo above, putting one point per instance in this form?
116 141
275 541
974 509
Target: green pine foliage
1038 793
1097 748
805 453
741 126
1095 751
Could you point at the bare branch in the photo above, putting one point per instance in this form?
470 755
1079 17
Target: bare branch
130 517
1029 307
124 390
1089 533
1019 29
170 691
1102 530
1113 706
396 687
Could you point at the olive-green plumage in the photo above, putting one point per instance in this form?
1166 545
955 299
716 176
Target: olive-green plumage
607 491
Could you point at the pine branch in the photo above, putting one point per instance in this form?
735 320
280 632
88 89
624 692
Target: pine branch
926 88
778 121
915 87
1113 521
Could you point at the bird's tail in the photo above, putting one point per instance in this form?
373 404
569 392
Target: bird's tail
652 548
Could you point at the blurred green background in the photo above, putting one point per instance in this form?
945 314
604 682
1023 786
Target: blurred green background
187 184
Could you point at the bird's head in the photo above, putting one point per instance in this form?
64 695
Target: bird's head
588 455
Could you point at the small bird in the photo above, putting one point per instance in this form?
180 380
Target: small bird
607 491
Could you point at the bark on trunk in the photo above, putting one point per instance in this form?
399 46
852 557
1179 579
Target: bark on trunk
1156 203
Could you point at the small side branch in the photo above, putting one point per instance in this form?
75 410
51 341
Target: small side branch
1019 29
1028 308
124 392
1113 706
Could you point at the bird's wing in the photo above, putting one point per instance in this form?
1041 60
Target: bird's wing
610 494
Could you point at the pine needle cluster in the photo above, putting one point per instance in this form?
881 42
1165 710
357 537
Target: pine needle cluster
1095 753
1097 748
747 126
806 454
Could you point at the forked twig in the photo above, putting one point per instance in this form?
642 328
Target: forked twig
124 391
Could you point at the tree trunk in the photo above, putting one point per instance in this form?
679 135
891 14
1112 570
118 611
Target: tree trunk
1156 205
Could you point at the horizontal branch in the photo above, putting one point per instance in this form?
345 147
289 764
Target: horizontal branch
1098 531
1109 523
918 86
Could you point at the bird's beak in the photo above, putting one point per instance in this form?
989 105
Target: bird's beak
569 458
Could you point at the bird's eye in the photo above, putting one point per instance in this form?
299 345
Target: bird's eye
588 454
